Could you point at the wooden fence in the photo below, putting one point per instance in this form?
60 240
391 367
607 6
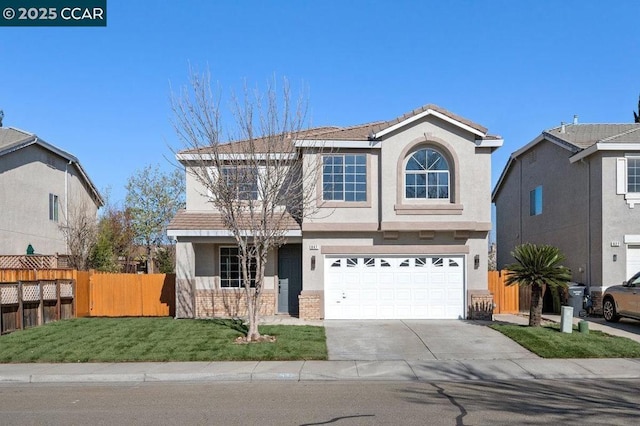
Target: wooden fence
15 275
505 298
31 297
131 295
83 294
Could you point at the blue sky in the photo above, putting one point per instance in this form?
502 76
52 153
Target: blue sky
516 67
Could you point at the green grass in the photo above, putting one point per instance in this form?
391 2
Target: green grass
549 342
157 339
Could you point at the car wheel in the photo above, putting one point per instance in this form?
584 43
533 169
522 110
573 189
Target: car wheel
609 310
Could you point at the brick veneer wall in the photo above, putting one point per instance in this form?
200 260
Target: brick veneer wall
310 303
230 303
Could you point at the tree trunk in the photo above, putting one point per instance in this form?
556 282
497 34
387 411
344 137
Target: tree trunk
252 333
535 311
150 260
254 298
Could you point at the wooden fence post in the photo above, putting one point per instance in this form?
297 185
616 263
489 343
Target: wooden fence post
20 307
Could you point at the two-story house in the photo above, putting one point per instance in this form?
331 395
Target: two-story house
577 187
401 229
39 185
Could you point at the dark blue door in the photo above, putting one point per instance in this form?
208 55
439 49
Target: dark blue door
290 278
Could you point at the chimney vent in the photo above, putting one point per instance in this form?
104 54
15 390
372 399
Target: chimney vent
562 127
575 119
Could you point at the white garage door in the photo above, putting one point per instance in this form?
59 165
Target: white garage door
633 260
408 287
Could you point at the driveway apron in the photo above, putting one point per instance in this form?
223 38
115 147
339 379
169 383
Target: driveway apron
380 340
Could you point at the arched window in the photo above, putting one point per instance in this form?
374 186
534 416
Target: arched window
427 175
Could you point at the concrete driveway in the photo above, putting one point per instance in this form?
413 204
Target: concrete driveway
380 340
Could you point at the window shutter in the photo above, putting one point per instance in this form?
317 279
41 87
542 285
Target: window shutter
621 175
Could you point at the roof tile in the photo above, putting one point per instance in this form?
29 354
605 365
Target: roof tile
185 220
585 135
358 133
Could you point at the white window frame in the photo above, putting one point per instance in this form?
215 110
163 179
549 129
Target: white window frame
214 172
426 173
254 193
622 179
355 191
233 283
54 207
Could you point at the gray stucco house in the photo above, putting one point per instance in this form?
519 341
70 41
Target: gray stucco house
404 212
39 185
577 187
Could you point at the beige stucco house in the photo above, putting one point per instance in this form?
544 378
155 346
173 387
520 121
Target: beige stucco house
401 228
39 185
577 187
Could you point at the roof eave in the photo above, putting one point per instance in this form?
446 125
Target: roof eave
176 233
489 143
423 114
514 156
227 157
506 168
33 139
600 146
337 143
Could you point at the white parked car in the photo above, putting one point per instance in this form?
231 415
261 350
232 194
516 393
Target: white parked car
622 300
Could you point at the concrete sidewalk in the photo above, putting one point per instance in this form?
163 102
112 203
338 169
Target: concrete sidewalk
428 370
387 370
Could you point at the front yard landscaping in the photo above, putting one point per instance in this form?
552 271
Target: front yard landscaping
157 339
549 342
167 339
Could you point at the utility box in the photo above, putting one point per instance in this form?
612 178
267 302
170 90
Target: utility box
576 298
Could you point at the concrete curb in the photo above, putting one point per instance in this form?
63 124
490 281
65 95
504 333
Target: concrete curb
310 371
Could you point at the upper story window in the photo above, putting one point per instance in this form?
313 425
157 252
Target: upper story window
427 175
243 180
628 178
53 207
344 177
535 201
633 174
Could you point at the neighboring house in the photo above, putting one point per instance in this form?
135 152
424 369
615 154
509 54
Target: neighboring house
39 185
576 187
404 212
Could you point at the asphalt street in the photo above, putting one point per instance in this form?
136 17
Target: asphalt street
585 402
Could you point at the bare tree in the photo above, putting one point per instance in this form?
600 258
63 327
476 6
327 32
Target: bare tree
80 232
258 183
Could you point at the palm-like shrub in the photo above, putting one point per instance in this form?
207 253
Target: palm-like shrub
538 266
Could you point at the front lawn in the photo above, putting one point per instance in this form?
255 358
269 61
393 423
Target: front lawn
549 342
157 339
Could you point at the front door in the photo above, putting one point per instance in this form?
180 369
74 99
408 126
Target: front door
290 278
